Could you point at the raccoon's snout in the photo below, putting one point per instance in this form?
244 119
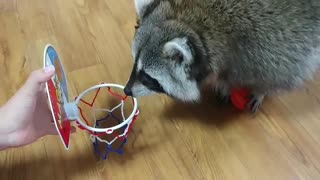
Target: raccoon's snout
128 91
135 88
129 86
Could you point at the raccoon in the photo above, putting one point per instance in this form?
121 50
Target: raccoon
182 46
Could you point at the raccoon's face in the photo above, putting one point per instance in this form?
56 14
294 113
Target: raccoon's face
165 56
162 67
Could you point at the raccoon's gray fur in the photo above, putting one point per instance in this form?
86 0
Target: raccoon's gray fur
265 45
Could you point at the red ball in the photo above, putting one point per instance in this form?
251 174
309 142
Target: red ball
240 98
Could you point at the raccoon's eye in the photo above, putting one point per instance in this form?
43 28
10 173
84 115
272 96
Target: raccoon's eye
137 24
150 82
178 57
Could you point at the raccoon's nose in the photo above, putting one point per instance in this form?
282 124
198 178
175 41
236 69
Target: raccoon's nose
127 91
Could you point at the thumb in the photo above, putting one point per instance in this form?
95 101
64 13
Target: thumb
33 84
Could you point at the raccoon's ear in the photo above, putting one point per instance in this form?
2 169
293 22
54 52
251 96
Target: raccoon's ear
141 5
179 50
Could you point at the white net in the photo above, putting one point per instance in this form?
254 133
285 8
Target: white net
107 127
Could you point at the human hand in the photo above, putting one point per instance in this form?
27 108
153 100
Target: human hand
26 116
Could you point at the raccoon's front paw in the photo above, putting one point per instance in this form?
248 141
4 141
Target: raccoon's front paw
222 98
255 102
222 94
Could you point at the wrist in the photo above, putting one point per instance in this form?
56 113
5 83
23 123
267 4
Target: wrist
3 120
4 142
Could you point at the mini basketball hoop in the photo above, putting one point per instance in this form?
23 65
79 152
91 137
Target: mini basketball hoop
97 131
64 112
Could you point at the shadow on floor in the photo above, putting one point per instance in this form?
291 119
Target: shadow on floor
207 112
43 167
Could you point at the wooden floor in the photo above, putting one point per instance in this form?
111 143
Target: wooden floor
170 141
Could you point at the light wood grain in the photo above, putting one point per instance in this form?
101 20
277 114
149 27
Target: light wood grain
170 140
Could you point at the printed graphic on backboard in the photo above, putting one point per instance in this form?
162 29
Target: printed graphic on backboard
58 95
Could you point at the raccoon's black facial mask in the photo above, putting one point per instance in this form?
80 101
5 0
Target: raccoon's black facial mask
150 82
145 80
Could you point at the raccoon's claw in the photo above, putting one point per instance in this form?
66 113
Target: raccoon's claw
222 94
222 99
255 102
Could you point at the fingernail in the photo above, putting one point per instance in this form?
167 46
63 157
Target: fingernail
49 69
